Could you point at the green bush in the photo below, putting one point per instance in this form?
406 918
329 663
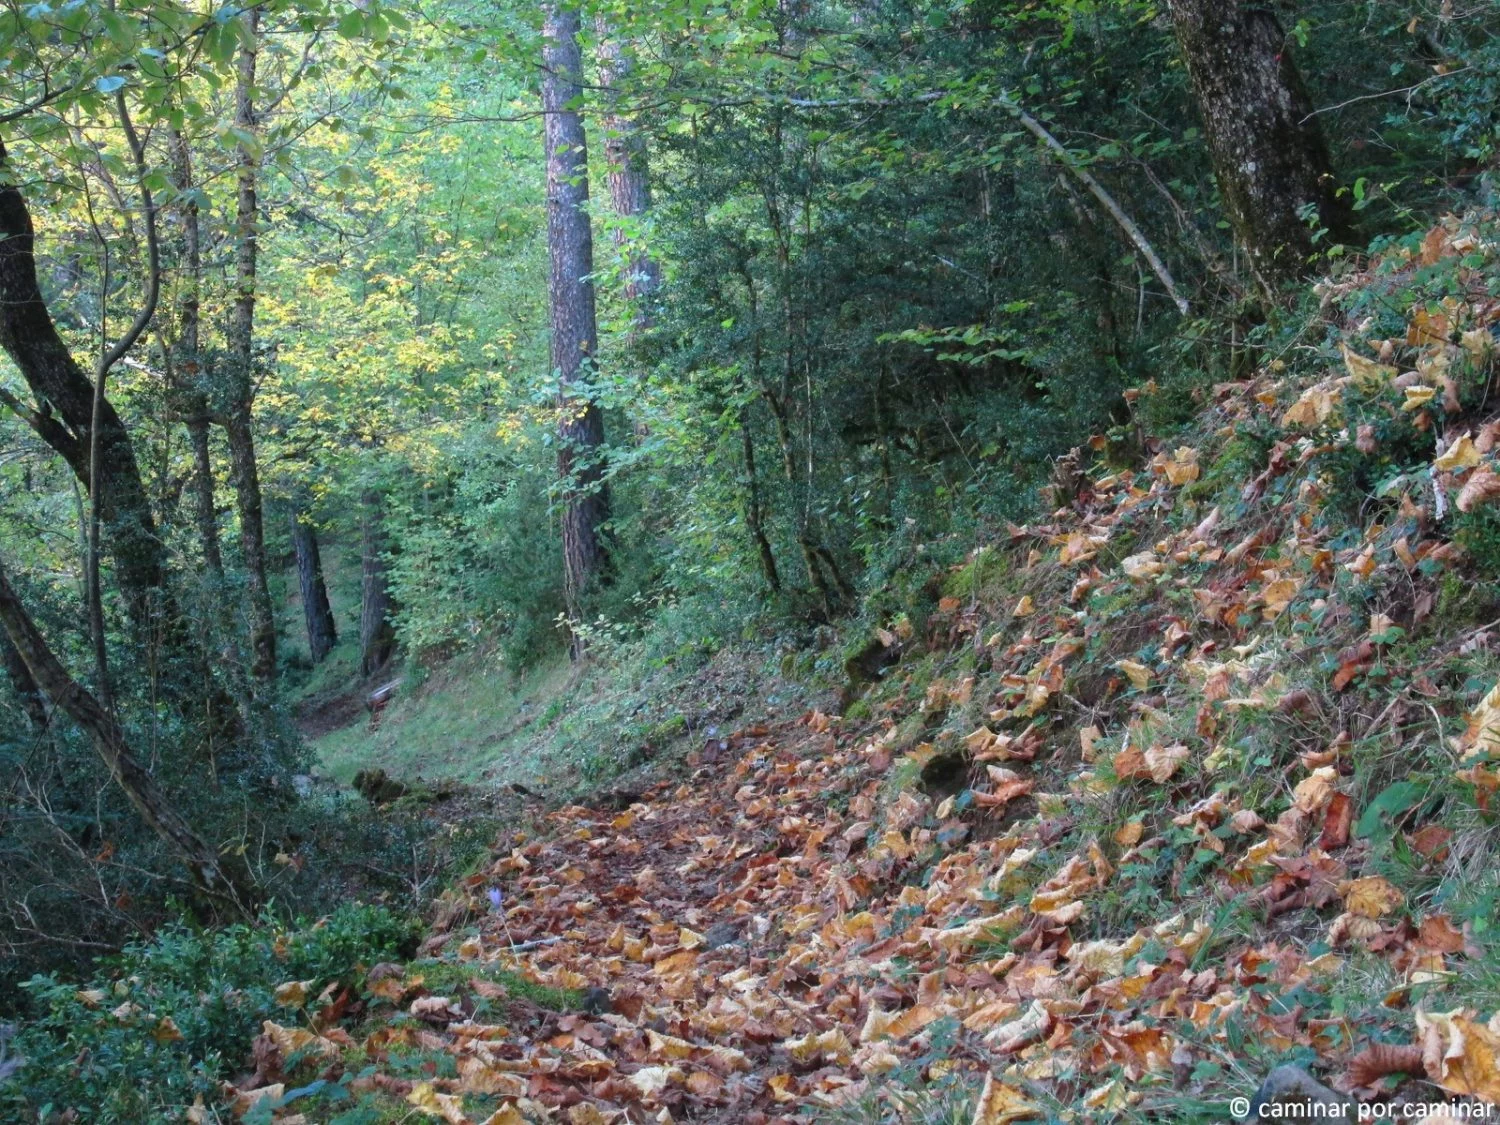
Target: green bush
177 1014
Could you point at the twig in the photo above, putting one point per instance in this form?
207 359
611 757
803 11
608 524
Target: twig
1408 90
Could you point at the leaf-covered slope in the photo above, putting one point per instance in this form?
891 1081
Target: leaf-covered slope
1190 780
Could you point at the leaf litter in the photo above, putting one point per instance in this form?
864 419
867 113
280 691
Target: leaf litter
791 931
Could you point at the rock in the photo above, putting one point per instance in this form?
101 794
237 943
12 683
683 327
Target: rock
721 934
1288 1086
597 1001
377 788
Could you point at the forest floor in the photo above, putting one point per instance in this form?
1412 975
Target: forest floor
1190 779
558 731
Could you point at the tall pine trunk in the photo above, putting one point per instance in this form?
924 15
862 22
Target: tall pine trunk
1269 155
322 630
238 422
580 454
377 631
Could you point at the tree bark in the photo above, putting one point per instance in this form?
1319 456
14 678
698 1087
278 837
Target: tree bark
64 415
322 630
629 178
755 520
580 453
23 684
238 422
109 741
377 632
1268 152
186 368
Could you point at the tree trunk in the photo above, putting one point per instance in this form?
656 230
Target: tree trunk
64 417
238 422
322 631
23 684
377 632
755 521
186 368
1268 152
109 741
580 453
205 512
629 179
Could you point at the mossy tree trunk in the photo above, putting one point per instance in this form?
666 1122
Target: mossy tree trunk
1269 155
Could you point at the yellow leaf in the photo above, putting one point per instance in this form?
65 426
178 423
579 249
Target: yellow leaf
834 1046
289 1040
1139 674
1371 896
1462 454
1418 397
1000 1104
1313 408
1142 566
292 994
1461 1056
1024 607
1183 467
1483 734
478 1077
1367 374
652 1080
1314 792
1278 595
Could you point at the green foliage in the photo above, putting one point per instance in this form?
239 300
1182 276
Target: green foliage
173 1016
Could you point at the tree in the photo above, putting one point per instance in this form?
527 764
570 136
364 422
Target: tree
185 366
64 415
240 396
580 427
322 630
1269 155
377 630
104 730
628 173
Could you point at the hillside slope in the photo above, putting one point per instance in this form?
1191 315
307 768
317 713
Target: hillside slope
1190 780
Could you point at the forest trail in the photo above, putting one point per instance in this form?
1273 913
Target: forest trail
1147 804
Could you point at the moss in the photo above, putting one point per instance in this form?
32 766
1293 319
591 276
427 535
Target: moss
442 977
982 578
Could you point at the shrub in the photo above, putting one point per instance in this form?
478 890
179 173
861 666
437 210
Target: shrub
177 1014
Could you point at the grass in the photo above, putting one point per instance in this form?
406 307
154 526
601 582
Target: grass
561 730
470 722
444 977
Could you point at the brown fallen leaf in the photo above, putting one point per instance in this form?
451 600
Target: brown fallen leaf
1381 1059
1001 1104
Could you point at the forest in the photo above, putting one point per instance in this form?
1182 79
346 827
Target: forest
840 561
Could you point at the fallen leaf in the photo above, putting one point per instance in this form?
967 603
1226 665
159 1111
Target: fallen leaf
1139 674
1482 486
1162 761
1000 1104
293 994
1461 1056
1462 454
1372 897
